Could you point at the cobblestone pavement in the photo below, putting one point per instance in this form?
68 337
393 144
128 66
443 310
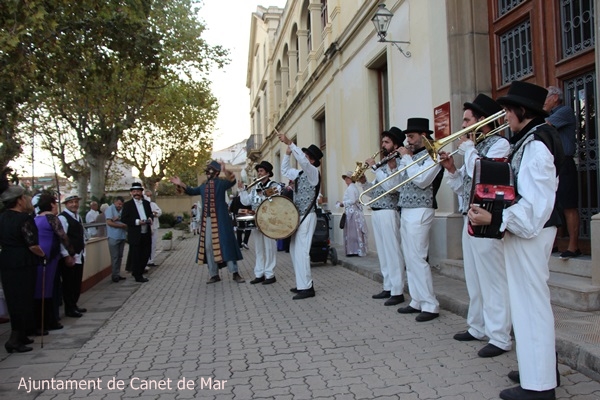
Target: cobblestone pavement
176 337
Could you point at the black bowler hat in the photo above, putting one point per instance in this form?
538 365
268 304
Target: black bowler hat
136 186
418 125
267 166
315 153
483 105
527 95
396 135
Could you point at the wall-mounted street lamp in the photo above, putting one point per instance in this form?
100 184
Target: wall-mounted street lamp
381 20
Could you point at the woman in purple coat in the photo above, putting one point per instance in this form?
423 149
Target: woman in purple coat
51 236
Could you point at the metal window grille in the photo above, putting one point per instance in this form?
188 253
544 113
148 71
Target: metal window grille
580 94
505 6
515 53
577 26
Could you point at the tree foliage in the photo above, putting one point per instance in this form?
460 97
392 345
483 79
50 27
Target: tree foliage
108 64
173 135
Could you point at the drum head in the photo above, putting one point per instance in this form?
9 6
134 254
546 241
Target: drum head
277 217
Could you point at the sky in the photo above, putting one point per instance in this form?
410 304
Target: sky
229 84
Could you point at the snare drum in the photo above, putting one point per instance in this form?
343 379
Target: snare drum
277 217
246 223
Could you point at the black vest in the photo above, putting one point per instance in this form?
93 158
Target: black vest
75 233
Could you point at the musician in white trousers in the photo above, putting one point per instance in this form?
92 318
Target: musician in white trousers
306 190
530 226
265 248
417 202
485 274
386 221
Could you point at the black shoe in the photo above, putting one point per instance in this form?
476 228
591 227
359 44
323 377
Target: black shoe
565 255
270 280
518 393
141 279
55 327
489 350
295 290
118 279
464 337
515 377
408 310
73 314
426 316
81 310
19 348
385 294
38 332
394 300
304 294
26 340
151 265
213 279
257 280
238 278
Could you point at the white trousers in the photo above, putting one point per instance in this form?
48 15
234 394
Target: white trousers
415 224
527 272
300 251
265 249
386 230
485 275
153 248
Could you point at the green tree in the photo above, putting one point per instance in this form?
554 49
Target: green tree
173 135
111 61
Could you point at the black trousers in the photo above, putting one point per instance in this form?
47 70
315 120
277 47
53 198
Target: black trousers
245 234
71 284
140 254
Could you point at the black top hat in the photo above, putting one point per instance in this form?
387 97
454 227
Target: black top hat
396 135
527 95
267 166
136 186
315 153
214 165
418 125
483 105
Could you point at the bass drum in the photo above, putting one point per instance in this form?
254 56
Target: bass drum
277 217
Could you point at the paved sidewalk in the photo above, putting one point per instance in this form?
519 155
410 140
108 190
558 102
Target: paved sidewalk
176 337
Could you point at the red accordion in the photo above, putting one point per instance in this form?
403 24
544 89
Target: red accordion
494 190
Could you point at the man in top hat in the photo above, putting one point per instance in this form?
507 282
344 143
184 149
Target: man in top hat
386 220
71 267
530 226
137 215
218 246
265 248
306 190
418 204
488 292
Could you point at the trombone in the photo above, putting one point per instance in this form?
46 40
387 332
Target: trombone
433 148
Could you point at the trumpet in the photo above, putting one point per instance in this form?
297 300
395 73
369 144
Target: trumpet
433 148
360 169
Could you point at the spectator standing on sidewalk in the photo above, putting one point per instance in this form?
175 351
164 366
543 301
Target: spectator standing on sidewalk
156 212
90 218
117 235
562 118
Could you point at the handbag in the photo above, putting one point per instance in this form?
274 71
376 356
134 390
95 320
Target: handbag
343 221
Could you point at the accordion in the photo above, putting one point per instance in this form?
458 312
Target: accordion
493 190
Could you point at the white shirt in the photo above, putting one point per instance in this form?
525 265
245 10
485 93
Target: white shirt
310 170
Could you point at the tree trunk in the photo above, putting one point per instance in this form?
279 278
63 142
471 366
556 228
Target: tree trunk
82 184
97 176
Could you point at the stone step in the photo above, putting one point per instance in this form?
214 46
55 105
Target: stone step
570 282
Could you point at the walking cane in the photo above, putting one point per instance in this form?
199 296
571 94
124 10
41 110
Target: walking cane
43 295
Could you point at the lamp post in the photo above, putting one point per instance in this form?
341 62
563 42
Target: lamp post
381 20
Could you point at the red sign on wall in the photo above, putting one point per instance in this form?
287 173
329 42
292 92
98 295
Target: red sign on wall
441 121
